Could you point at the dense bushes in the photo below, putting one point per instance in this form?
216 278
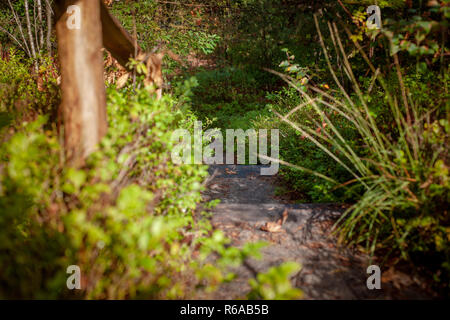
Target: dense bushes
127 218
378 140
182 28
229 97
390 146
25 93
371 130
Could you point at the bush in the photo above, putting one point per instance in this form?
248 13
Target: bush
229 97
401 169
182 28
127 219
295 148
25 94
275 284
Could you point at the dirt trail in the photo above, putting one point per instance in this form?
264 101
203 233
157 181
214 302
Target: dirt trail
248 202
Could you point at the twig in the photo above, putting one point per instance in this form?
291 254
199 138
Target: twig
30 34
12 37
186 4
374 78
35 25
345 9
19 24
211 178
49 26
403 89
41 31
135 46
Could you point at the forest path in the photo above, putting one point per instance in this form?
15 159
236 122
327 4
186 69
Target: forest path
248 202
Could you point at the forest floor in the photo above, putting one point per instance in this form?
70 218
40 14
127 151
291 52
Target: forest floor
248 203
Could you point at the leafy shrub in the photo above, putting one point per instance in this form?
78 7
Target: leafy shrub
296 149
127 219
229 97
402 170
275 284
24 93
180 27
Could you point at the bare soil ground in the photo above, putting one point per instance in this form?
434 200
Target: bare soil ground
248 202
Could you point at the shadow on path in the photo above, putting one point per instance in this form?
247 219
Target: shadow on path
248 201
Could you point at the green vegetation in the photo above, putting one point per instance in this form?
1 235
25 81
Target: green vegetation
127 218
363 119
24 95
275 283
398 173
370 120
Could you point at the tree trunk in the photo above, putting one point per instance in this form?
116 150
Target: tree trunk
30 33
48 10
83 90
116 39
41 22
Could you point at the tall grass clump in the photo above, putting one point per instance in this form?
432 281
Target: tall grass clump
401 169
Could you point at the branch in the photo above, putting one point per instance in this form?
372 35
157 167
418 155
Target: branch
49 26
345 9
403 89
41 21
186 4
12 37
35 24
30 34
19 24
